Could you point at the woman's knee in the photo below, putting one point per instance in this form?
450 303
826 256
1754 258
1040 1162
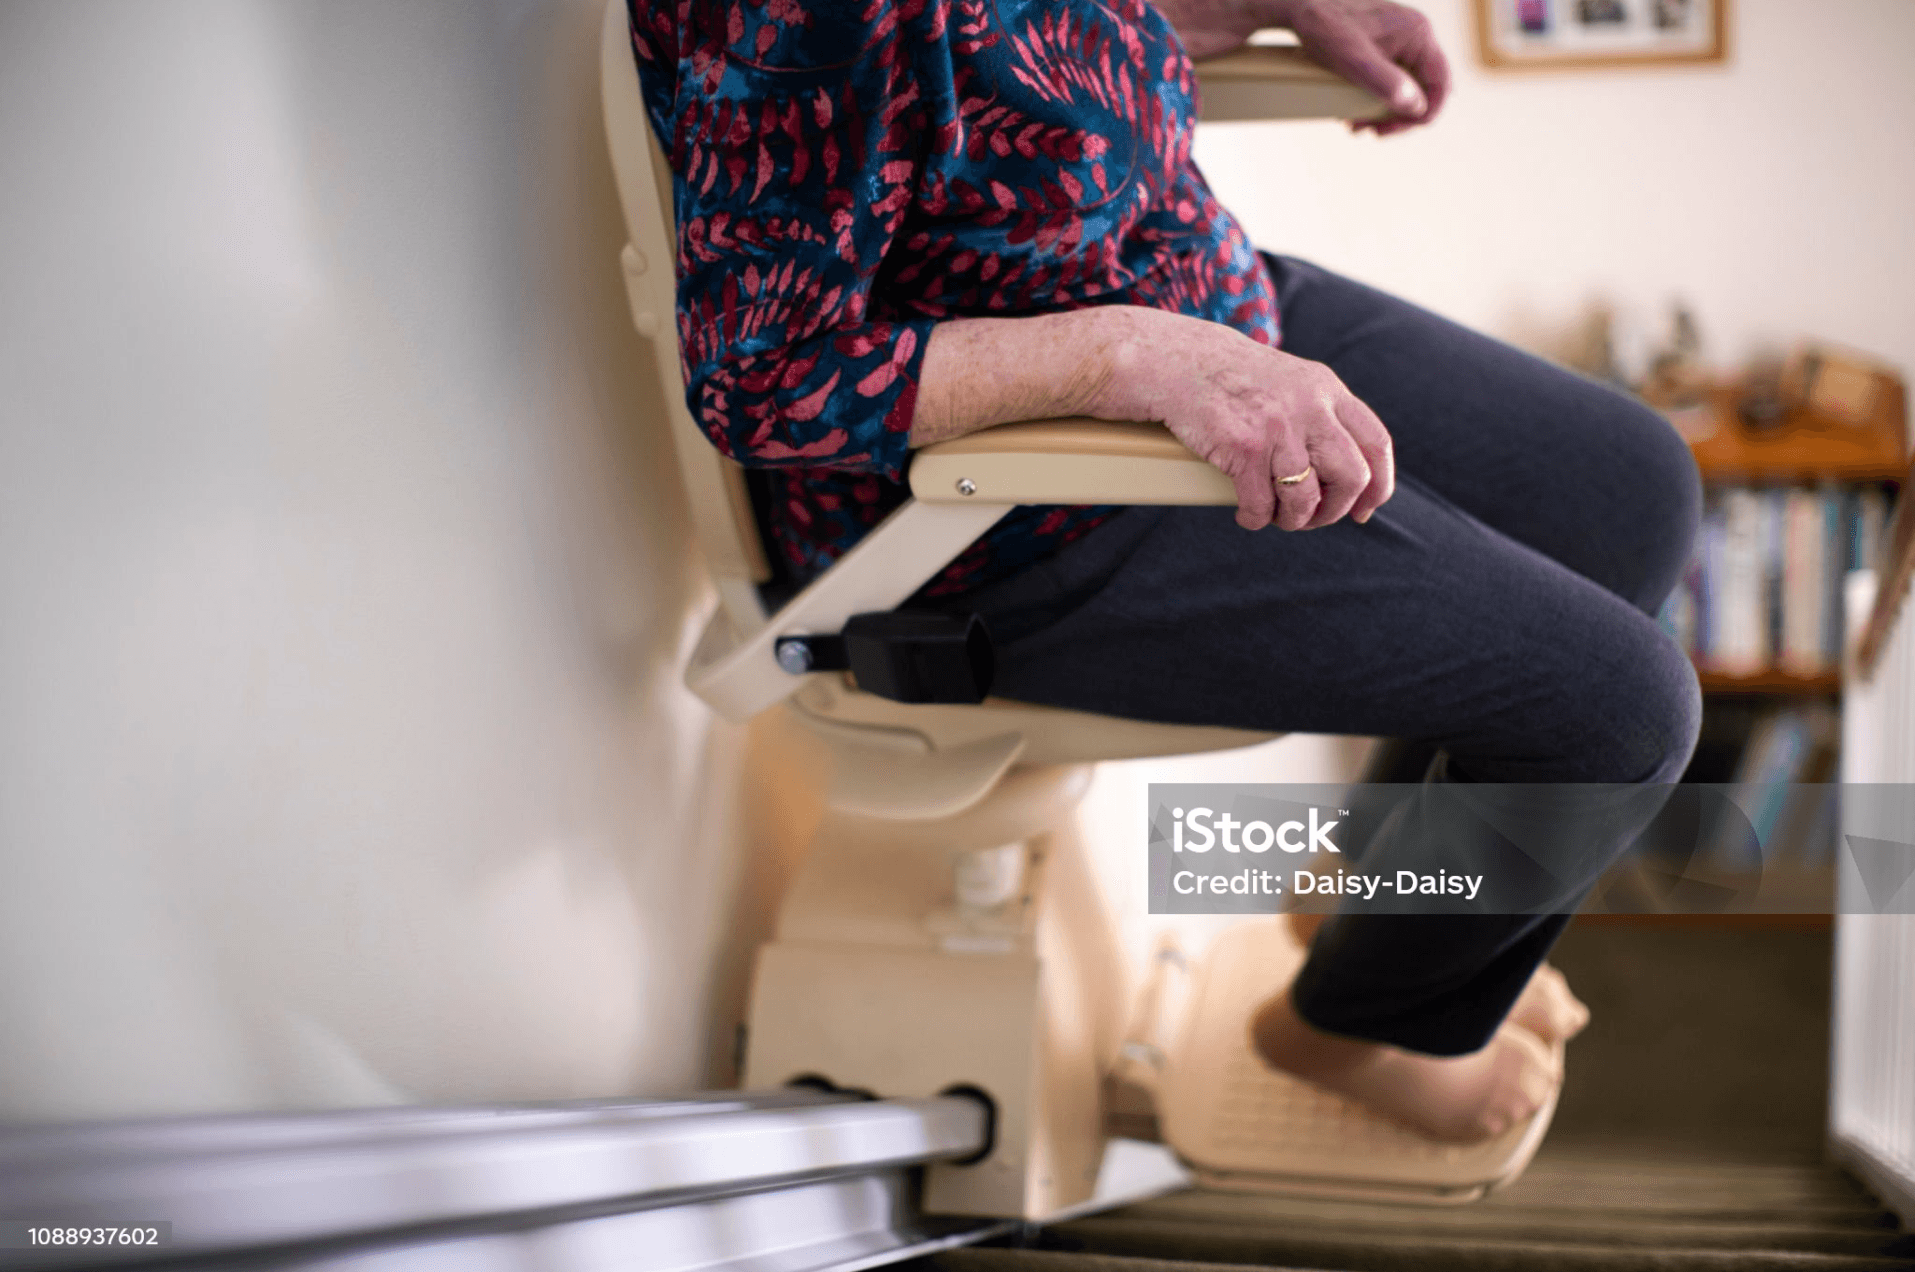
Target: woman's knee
1596 692
1641 713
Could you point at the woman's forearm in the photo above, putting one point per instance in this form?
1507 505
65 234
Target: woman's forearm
981 372
1300 449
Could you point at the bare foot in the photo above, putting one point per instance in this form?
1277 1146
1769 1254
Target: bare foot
1548 1009
1546 1006
1457 1099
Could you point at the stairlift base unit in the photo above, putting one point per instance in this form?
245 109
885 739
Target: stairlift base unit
1238 1124
891 1021
969 952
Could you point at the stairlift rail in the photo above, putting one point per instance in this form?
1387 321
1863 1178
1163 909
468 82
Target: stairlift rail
781 1181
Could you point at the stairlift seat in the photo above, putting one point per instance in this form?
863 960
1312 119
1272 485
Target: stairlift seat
1051 461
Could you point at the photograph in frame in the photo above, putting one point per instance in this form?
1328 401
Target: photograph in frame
1519 34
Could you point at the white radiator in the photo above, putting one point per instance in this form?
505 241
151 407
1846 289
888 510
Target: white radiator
1872 1070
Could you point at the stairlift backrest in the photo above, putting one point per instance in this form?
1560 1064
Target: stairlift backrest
714 486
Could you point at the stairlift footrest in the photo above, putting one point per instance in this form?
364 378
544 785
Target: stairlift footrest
1241 1125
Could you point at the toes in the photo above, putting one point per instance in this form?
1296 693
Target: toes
1569 1010
1548 1008
1526 1079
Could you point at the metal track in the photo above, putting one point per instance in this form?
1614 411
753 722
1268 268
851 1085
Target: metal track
787 1181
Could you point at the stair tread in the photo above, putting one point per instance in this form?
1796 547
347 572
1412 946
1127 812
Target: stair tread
1579 1209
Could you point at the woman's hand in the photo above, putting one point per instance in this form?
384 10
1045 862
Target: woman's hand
1256 413
1384 47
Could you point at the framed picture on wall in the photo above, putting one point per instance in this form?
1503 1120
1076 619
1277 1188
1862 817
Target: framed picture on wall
1521 34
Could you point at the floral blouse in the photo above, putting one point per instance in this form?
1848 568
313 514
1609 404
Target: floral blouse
848 173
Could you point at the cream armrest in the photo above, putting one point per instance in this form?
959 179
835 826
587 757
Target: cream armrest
1265 82
1067 461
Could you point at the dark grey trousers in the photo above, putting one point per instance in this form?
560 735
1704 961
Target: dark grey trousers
1500 606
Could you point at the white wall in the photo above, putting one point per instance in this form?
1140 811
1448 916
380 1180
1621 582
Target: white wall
342 756
1775 193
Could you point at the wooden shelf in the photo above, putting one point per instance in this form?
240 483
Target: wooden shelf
1803 448
1771 681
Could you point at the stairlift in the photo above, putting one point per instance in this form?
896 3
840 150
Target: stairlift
944 933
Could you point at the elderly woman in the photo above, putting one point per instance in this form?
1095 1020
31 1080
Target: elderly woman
904 220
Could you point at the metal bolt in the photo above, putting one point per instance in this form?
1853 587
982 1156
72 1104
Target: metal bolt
966 486
794 656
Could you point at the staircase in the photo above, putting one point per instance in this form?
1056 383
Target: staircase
1689 1137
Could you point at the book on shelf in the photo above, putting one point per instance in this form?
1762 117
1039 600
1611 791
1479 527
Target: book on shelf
1783 854
1764 588
1803 582
1738 630
1870 519
1781 780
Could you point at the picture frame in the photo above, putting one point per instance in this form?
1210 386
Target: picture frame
1582 34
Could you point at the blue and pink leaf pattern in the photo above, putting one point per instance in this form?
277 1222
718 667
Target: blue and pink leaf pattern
849 173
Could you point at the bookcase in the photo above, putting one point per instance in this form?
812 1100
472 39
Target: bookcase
1789 509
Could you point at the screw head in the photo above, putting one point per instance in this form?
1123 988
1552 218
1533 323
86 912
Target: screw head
966 486
794 656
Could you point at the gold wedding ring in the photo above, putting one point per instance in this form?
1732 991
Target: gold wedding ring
1291 481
